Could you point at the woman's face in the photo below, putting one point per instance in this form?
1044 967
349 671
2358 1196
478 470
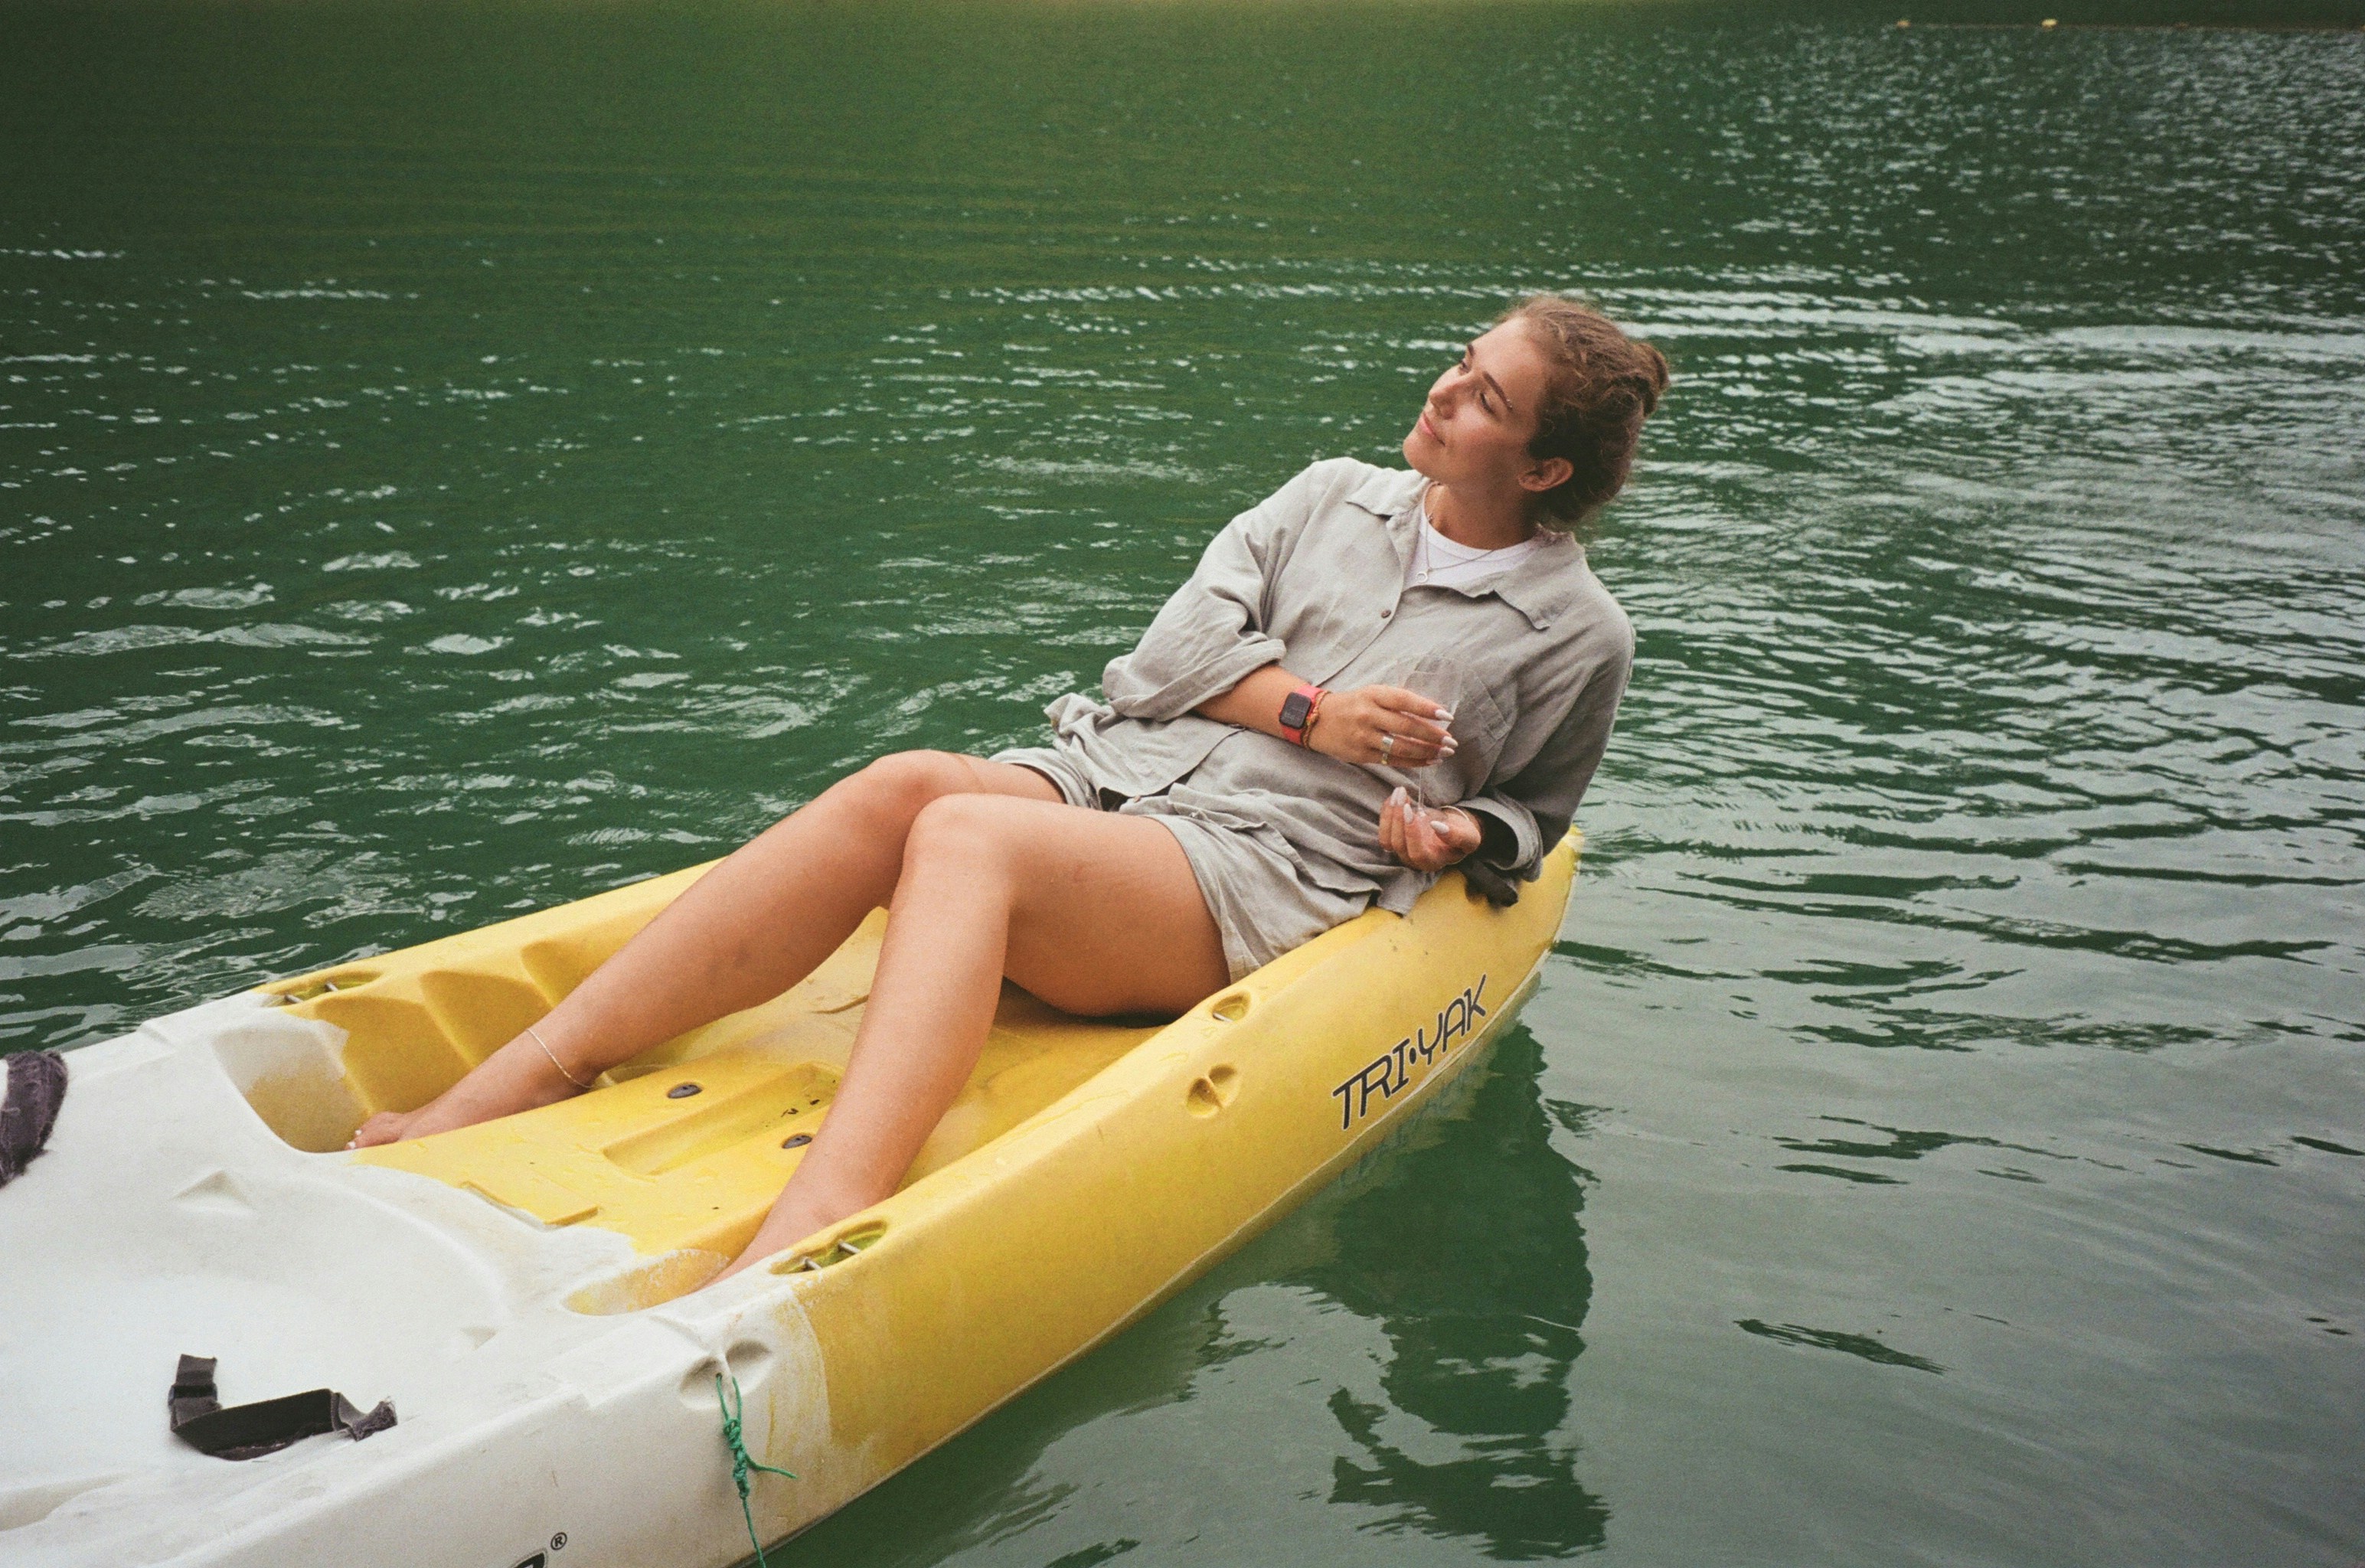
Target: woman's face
1474 428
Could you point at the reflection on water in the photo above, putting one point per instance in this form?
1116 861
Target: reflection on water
1473 1254
451 463
1401 1349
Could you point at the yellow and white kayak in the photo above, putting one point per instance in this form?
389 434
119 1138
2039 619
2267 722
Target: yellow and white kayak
525 1291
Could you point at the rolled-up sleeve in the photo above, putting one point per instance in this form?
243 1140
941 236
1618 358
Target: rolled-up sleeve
1212 633
1525 813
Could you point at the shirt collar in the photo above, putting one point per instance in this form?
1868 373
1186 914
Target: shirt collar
1542 588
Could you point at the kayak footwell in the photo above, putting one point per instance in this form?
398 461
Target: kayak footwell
689 1154
672 1160
684 1148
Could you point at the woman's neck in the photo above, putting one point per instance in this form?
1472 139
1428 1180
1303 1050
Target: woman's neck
1489 523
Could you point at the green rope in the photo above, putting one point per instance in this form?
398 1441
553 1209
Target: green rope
742 1462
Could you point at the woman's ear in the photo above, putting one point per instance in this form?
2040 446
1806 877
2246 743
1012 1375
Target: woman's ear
1552 473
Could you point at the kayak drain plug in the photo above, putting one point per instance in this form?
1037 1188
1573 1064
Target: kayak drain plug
681 1090
798 1141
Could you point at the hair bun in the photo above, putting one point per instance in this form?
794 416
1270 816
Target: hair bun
1600 385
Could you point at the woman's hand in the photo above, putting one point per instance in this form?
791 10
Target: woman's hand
1427 838
1385 724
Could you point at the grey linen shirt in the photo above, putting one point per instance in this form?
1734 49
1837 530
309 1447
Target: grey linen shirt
1531 663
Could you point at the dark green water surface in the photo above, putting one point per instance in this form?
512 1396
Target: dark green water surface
455 461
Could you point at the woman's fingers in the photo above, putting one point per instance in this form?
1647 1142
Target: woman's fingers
1406 847
1392 825
1400 751
1413 748
1420 838
1427 838
1410 716
1404 833
1409 743
1465 834
1385 724
1411 703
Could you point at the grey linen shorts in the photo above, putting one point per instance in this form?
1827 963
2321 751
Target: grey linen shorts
1261 899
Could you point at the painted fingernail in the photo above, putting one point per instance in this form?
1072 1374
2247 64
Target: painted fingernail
1446 714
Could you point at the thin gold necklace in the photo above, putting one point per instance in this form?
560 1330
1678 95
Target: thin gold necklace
1423 558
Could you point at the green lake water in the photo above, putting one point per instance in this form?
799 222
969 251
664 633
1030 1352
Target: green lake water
452 461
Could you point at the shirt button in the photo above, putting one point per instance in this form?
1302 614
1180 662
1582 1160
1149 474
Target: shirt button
1385 613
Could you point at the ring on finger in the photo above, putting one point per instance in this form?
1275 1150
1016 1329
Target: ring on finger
1387 744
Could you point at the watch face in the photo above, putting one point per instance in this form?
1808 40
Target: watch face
1294 712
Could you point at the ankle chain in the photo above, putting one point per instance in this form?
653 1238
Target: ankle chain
561 1066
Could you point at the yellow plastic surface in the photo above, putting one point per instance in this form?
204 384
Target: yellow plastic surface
691 1145
1087 1171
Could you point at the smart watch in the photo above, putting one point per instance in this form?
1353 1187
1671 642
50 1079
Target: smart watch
1297 711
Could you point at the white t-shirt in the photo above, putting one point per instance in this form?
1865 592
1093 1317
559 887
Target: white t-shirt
1440 563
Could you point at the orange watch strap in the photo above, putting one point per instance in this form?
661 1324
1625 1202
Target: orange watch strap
1305 698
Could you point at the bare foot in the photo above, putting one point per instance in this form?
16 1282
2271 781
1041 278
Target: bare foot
517 1077
387 1126
801 1211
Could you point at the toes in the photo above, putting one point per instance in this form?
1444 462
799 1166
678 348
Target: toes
384 1127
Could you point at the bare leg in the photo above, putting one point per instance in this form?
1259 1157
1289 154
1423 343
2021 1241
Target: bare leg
745 932
1094 914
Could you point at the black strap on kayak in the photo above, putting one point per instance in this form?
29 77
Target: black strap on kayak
247 1431
35 1085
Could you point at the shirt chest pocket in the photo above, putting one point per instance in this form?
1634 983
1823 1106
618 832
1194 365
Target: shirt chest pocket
1467 687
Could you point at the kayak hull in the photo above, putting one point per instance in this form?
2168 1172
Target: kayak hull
526 1292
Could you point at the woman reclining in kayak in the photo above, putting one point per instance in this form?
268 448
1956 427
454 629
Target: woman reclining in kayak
1372 676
